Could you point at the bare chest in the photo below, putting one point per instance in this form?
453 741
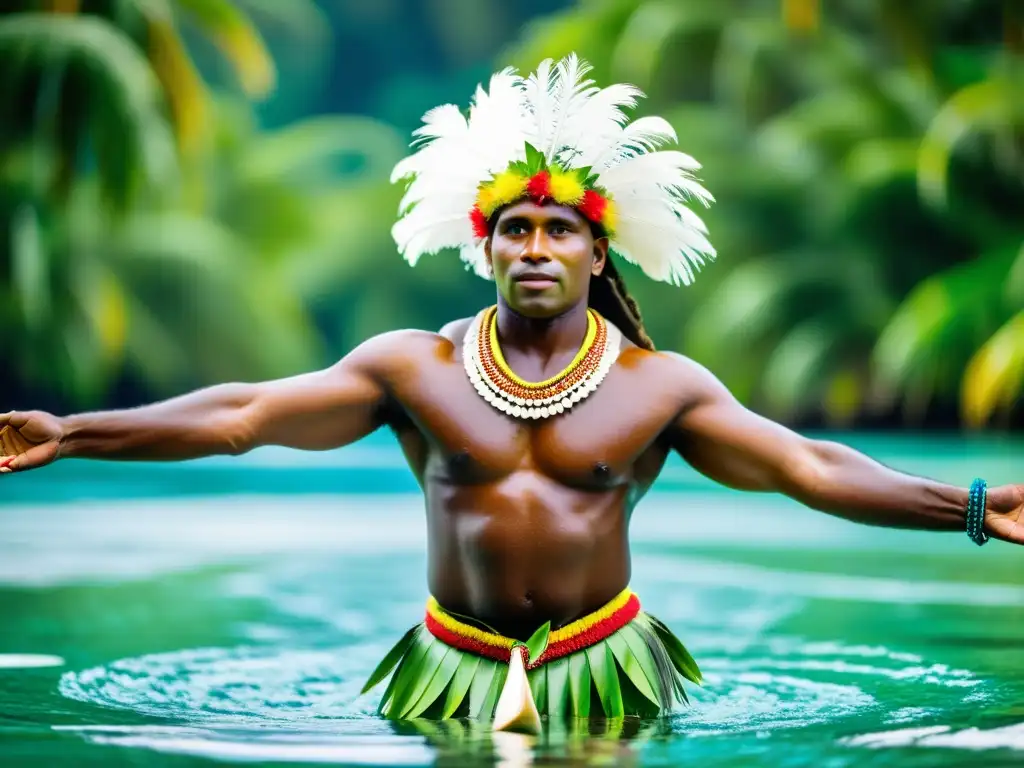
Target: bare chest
609 438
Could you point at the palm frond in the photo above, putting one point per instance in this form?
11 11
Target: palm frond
105 106
994 379
238 39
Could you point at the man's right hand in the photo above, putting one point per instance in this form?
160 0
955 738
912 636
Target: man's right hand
28 440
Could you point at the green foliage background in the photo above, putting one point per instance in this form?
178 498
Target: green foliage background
193 191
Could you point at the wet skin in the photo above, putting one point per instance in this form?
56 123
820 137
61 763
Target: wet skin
527 521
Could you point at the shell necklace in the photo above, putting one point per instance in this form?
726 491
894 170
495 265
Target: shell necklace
498 384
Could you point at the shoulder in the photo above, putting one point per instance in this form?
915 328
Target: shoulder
394 353
455 331
689 382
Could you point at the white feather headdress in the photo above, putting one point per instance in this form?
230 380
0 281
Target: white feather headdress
558 120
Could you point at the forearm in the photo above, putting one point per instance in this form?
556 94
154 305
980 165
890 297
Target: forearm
207 422
836 479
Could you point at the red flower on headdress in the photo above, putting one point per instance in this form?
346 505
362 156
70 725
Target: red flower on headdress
593 206
479 223
539 187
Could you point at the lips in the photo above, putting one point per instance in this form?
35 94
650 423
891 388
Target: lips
534 277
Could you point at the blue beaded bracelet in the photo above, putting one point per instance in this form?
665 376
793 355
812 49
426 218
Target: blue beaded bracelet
976 503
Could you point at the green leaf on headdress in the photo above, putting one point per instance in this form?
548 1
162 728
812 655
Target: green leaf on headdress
583 174
534 160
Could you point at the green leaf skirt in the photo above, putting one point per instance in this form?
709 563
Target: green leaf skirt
638 670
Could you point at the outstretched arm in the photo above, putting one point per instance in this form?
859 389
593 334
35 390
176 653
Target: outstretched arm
314 411
727 442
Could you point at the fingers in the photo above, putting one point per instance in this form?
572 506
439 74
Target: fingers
14 419
7 447
30 459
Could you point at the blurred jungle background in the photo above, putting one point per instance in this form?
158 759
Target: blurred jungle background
195 191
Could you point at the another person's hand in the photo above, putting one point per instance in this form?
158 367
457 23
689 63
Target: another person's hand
28 440
1004 518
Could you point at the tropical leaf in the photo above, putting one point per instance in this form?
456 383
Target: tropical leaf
579 684
538 642
490 699
480 688
606 679
419 675
30 268
640 47
304 150
122 121
801 15
798 367
186 93
238 39
994 379
1015 281
538 681
633 669
681 658
557 687
459 689
932 332
637 643
812 135
439 681
391 659
981 107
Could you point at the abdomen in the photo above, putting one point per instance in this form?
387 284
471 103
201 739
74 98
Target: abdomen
526 550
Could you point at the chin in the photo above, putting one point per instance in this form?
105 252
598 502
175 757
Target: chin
539 307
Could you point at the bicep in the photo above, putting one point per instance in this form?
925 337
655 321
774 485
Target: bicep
724 440
321 410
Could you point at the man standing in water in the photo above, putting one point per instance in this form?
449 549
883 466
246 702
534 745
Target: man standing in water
535 427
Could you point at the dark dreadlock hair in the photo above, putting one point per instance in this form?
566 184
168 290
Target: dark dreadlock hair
609 295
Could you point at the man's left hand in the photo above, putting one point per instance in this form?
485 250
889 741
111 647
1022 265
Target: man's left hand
1004 518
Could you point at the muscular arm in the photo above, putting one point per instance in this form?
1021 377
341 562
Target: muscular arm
736 447
315 411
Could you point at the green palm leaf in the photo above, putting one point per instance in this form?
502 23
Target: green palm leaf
302 151
981 107
120 125
994 378
640 48
238 39
606 679
932 334
798 366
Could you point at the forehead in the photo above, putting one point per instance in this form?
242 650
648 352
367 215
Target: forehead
528 209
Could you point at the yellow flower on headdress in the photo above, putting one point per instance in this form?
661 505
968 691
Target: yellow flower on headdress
485 200
566 188
507 187
610 218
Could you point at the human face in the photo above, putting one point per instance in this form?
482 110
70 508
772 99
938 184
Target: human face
542 258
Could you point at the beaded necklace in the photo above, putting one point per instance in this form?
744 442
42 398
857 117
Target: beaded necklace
503 389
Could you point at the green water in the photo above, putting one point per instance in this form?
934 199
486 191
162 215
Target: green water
230 610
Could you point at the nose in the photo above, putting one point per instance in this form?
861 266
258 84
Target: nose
535 250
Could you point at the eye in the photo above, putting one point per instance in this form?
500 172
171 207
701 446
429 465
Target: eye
515 229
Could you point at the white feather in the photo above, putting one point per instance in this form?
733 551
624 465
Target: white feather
644 135
560 111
